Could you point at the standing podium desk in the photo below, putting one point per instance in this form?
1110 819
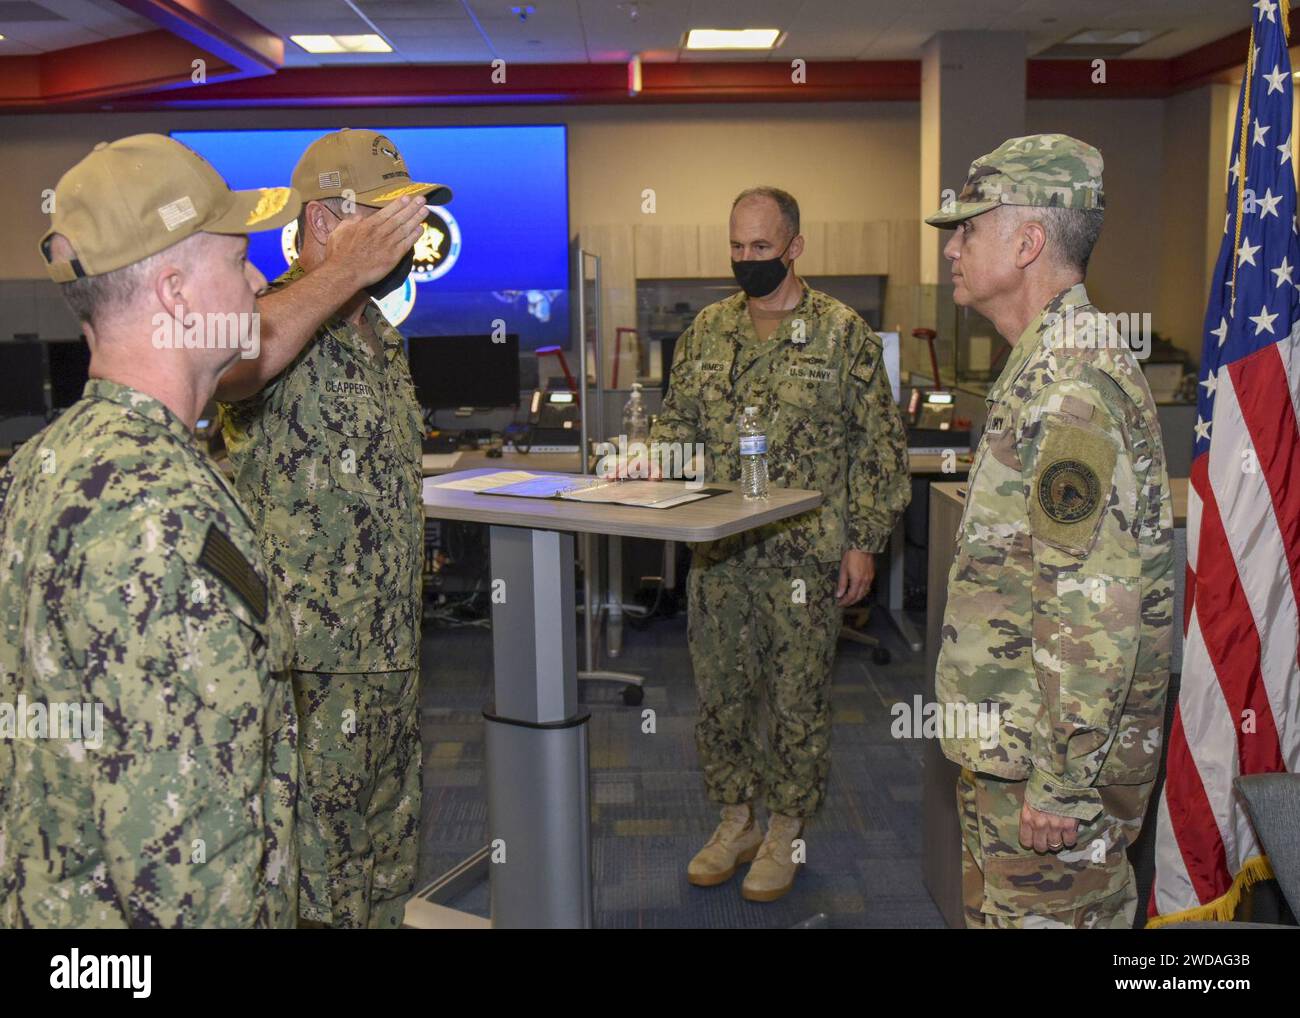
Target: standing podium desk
539 817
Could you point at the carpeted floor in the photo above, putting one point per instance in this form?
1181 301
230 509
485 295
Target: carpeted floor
649 811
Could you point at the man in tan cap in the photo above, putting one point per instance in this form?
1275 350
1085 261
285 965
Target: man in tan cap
1059 615
327 457
154 781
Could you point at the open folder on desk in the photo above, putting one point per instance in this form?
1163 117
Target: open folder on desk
644 494
480 481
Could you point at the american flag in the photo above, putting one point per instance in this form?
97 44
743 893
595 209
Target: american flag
1239 705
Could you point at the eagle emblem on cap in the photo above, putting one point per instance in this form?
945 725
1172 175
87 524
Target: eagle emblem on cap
270 202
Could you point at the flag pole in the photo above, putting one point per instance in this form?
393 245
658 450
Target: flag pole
1241 155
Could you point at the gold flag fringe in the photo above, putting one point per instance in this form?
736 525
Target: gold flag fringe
1224 907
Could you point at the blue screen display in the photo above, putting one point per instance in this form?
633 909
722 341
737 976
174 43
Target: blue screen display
508 222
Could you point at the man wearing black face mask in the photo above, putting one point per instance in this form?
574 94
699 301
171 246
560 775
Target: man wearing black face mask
765 605
326 454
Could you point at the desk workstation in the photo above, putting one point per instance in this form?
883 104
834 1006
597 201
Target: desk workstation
609 590
537 784
516 897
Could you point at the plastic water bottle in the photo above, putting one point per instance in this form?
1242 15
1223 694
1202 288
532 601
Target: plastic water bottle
636 425
753 455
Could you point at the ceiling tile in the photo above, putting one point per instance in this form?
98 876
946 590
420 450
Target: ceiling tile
608 31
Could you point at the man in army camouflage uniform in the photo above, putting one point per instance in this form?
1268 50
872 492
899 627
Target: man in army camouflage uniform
1059 613
325 438
134 583
765 606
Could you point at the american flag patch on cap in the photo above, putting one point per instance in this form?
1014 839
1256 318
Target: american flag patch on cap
174 213
329 180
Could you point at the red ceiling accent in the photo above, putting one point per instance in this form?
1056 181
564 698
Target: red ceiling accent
230 44
1215 61
1073 79
152 71
1222 60
88 75
471 84
829 81
218 27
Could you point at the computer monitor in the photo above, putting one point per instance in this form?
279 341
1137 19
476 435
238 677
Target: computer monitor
69 371
22 379
455 371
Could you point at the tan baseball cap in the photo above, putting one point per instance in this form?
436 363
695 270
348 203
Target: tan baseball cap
136 196
362 165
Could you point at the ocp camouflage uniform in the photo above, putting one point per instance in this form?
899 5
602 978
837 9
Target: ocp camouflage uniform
327 457
1059 616
763 617
133 580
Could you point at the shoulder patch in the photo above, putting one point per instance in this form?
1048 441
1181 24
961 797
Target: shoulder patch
864 368
1071 486
1068 491
221 557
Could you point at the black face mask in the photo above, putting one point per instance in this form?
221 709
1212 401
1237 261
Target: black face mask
381 288
759 278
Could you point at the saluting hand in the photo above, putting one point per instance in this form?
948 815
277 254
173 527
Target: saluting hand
371 245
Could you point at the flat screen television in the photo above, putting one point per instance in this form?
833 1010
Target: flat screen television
502 242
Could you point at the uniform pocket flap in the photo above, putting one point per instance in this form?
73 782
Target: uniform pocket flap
1054 882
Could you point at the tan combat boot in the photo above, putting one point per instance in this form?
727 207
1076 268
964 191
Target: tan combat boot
735 841
772 874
